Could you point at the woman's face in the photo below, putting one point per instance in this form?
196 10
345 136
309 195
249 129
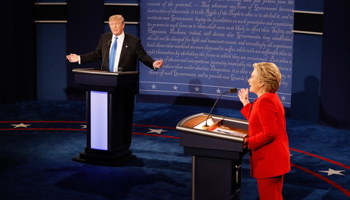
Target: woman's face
254 83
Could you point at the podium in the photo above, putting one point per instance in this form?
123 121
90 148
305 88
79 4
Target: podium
217 153
109 114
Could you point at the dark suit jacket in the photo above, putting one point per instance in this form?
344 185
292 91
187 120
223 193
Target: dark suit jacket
268 138
132 50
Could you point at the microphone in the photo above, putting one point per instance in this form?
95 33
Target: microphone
108 44
232 90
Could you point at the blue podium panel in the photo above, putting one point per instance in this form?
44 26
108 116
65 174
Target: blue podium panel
99 120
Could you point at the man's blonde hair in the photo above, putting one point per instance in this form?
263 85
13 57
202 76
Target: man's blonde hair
116 17
269 74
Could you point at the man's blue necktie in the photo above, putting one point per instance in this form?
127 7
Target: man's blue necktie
112 55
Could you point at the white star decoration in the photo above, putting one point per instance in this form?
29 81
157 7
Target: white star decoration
159 131
196 89
153 86
21 125
83 126
218 91
332 171
283 98
175 87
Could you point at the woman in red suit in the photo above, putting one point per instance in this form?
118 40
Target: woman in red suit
267 140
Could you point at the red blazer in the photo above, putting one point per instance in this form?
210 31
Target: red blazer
268 138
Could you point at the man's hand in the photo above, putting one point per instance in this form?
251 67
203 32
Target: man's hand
158 64
73 58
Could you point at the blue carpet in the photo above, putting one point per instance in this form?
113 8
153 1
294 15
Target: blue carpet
36 161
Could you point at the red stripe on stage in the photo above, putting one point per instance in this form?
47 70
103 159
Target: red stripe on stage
154 135
346 192
71 129
81 122
153 126
41 129
322 158
40 121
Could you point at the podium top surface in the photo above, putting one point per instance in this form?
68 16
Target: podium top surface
103 81
188 125
98 72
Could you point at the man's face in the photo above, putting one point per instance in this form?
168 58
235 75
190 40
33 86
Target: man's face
116 26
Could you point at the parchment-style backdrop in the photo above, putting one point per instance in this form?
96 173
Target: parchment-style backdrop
210 46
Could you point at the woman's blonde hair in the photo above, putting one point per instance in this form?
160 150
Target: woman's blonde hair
269 74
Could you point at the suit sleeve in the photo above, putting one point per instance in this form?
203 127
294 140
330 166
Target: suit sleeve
143 56
268 120
246 110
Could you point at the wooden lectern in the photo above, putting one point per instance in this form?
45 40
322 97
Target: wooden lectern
109 113
217 153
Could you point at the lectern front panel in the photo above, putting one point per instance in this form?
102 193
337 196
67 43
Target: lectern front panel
99 120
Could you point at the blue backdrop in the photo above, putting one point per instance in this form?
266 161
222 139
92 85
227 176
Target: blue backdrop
210 46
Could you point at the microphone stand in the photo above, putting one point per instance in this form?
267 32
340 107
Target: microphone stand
109 43
232 90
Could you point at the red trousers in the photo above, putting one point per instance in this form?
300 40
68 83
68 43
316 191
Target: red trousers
270 188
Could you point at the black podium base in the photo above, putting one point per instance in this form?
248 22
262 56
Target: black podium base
216 178
107 158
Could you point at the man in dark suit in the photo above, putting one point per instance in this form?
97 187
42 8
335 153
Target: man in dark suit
128 50
119 52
